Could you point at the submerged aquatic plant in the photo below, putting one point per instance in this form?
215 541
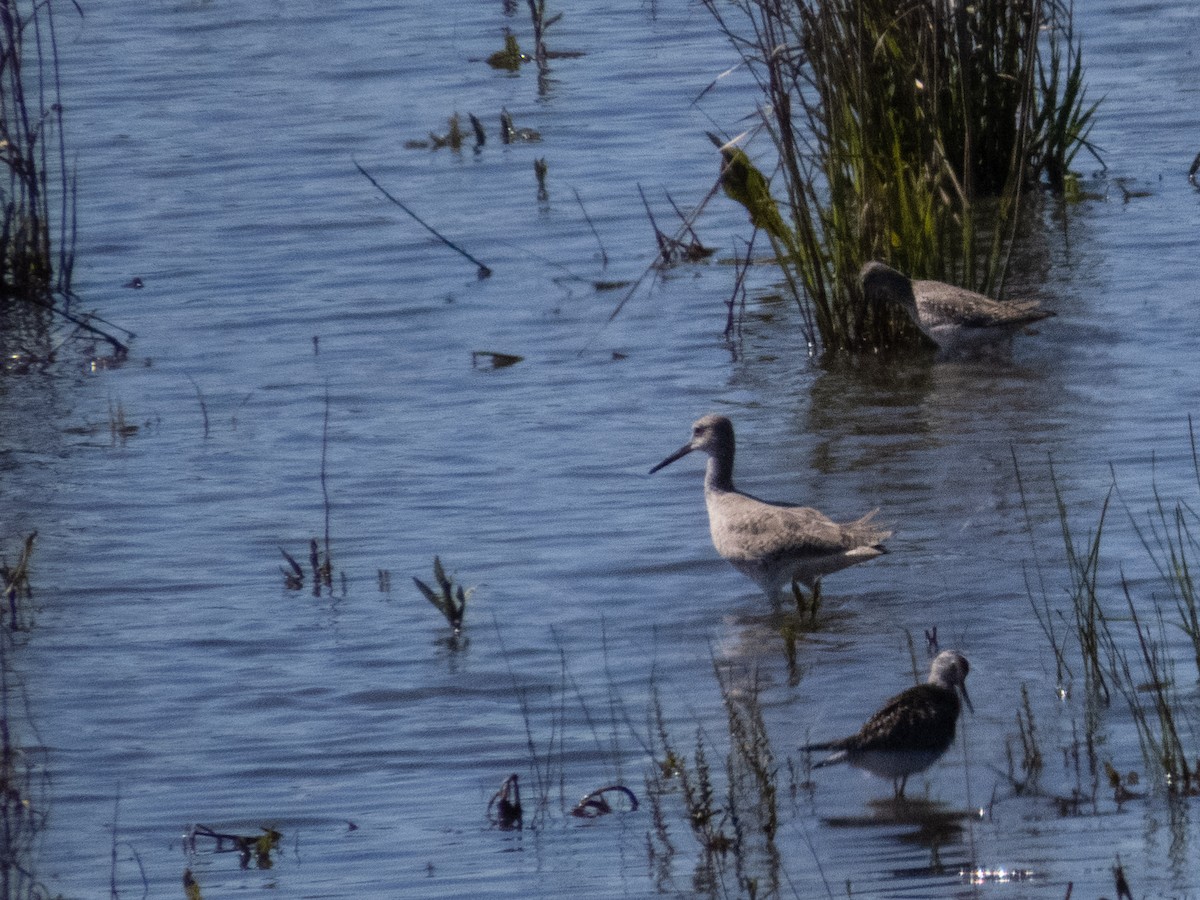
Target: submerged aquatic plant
504 809
253 846
900 130
14 582
451 600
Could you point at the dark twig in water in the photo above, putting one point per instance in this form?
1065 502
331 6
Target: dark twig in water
696 249
84 323
591 225
672 250
737 297
203 405
328 567
15 582
293 580
664 242
595 804
1121 885
484 271
653 267
540 168
480 134
537 9
259 845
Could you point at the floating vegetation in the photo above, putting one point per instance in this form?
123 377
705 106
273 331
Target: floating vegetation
511 57
684 247
451 600
496 360
320 564
320 554
453 138
510 134
504 809
594 803
257 847
14 582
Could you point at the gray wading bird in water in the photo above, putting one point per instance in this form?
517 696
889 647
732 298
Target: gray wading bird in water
958 321
773 544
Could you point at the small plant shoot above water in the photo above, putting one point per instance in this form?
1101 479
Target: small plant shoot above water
450 599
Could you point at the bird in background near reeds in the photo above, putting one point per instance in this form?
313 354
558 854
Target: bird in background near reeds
773 544
911 731
958 321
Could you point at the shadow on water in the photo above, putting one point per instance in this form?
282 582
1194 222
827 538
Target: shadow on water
929 825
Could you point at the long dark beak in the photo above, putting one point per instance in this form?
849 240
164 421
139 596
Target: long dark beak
678 454
962 689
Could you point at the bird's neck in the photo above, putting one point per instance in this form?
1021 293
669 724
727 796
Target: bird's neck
719 474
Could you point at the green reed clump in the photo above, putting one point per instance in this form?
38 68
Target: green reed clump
37 197
1123 644
1153 702
1092 630
1172 539
734 824
901 131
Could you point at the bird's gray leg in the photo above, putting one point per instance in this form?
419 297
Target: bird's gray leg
806 607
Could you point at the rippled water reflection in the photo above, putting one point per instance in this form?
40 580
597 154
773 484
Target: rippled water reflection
173 680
